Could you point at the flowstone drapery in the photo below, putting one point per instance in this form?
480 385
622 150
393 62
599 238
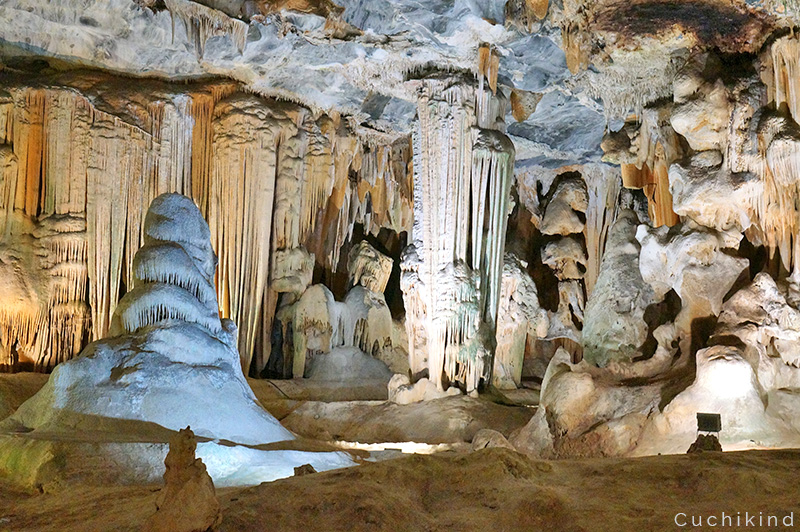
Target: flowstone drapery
83 154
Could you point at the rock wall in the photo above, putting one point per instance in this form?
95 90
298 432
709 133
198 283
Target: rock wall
695 305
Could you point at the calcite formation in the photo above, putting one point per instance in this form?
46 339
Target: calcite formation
169 361
187 502
369 267
606 190
81 165
168 357
362 321
692 262
453 269
519 317
614 326
720 153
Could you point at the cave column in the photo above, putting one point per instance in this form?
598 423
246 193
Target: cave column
463 170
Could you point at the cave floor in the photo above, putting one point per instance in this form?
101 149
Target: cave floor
492 489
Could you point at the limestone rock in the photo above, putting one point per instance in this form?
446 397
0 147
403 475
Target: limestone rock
278 183
371 328
692 261
726 384
44 315
535 438
702 110
576 402
312 326
369 267
581 414
173 363
561 214
523 103
187 502
571 304
453 270
705 443
614 326
711 195
768 328
402 392
305 469
566 257
488 438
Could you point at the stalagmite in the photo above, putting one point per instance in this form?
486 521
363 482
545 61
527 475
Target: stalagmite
519 316
614 326
187 502
313 326
175 366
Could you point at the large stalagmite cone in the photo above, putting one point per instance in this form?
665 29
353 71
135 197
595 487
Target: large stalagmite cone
170 359
171 363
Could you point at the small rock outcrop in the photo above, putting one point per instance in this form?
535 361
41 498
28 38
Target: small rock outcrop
704 443
187 503
488 438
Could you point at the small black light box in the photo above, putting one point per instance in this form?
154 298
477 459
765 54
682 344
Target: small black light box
709 422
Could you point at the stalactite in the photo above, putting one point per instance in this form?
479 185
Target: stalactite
8 173
202 23
603 185
778 159
780 75
94 169
27 141
242 196
651 145
492 176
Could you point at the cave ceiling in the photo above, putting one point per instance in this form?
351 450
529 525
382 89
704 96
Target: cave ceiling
357 58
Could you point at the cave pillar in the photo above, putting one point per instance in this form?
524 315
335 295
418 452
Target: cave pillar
463 170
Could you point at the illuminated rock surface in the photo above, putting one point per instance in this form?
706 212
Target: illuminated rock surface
429 218
169 362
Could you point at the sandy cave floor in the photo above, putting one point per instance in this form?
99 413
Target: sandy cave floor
492 489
